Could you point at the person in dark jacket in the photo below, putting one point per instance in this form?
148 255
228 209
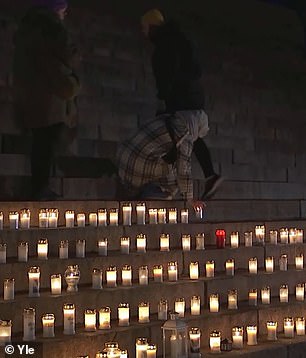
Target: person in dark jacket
178 75
45 86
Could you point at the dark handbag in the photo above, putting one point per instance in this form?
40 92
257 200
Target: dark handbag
171 156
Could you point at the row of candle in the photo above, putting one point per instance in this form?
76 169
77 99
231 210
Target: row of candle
289 327
48 218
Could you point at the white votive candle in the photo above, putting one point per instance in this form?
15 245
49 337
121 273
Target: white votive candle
69 318
265 295
56 284
292 235
141 213
172 216
63 249
162 310
283 263
80 248
125 245
232 298
29 324
52 218
215 341
102 217
260 234
248 238
14 219
5 332
48 320
194 270
1 220
2 253
283 234
113 217
96 278
283 293
144 312
235 240
164 242
42 249
93 219
289 327
143 275
179 306
34 281
300 292
23 251
299 236
251 335
186 242
90 320
210 268
25 217
9 289
253 265
102 246
269 262
126 275
253 297
200 241
230 267
151 351
127 214
161 213
299 261
300 326
184 216
237 337
272 331
141 348
105 318
195 305
158 273
152 216
172 271
69 217
81 220
123 315
141 243
273 237
214 303
111 276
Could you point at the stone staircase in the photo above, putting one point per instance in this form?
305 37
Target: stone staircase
86 297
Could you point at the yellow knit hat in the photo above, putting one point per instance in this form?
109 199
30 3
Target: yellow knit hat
152 17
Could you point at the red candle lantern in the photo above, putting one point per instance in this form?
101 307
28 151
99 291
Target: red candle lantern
220 238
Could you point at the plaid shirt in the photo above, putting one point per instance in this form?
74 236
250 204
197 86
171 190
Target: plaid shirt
140 158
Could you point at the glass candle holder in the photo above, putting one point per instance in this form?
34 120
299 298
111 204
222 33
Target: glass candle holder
141 243
111 349
127 214
2 253
260 231
42 249
210 268
80 249
14 220
284 235
237 337
272 331
253 297
172 271
265 295
96 278
251 335
299 261
102 217
126 275
200 241
111 276
292 235
214 303
186 242
273 237
230 267
25 217
300 292
158 273
172 216
269 263
34 281
93 219
184 216
113 217
5 332
72 277
125 245
300 326
289 327
52 218
105 318
152 216
48 320
215 341
23 251
143 275
69 318
90 320
232 300
179 306
144 312
162 310
235 240
195 340
248 238
102 246
69 217
283 263
81 219
141 347
194 270
1 220
141 213
253 266
124 315
8 289
63 249
29 324
151 351
161 214
164 242
283 293
56 284
220 239
195 305
299 236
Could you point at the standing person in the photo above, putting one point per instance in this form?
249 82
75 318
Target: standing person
45 86
178 74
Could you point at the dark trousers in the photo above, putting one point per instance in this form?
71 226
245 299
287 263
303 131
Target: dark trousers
203 156
42 155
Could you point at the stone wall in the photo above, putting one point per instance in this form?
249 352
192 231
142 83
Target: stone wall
254 76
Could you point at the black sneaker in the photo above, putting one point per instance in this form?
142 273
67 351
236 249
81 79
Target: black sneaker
211 186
